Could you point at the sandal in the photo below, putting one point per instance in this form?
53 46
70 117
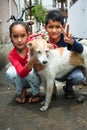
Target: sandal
35 99
22 97
69 95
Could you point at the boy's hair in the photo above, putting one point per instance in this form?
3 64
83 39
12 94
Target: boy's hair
16 23
54 15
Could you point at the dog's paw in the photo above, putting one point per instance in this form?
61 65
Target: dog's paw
80 99
44 108
43 102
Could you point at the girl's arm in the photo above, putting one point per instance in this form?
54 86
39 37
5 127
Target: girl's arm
22 70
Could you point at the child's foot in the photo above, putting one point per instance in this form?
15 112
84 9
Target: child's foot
22 97
36 98
69 94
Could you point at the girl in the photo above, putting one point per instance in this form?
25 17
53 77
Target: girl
21 73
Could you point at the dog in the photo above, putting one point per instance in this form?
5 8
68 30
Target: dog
54 63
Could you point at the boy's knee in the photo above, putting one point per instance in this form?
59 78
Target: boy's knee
76 78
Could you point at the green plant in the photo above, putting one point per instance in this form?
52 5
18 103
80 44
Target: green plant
39 13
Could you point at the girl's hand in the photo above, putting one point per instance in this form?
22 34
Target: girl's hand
67 36
38 66
31 62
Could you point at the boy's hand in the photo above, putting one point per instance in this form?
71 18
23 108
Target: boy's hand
67 36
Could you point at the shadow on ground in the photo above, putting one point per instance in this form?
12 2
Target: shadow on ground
62 114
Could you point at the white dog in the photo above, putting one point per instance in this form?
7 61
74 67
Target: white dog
56 63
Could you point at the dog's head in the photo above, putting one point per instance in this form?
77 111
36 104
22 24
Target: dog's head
40 49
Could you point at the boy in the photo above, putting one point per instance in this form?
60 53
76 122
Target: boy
58 37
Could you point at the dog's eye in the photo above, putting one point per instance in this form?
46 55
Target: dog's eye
39 52
46 51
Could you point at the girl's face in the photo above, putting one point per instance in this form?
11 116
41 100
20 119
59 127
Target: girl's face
19 36
53 29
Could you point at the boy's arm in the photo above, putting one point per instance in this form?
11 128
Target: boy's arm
71 42
76 46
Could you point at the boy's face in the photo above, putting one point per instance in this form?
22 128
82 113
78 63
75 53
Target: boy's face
54 30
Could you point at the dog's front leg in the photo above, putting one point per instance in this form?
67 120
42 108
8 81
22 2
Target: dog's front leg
50 84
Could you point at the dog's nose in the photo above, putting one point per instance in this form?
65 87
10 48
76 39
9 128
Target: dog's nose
44 62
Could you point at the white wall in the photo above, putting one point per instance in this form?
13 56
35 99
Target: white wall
77 18
8 8
48 4
20 4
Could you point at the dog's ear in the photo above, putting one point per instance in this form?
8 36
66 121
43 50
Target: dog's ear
30 44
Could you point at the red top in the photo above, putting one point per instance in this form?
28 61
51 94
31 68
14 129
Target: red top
19 63
34 36
54 45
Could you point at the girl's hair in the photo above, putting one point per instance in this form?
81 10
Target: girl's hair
16 23
54 15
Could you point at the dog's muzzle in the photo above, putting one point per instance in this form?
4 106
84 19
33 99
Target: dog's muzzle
44 62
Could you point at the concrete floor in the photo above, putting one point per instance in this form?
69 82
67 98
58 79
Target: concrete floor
62 114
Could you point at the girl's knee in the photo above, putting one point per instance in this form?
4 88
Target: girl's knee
11 73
